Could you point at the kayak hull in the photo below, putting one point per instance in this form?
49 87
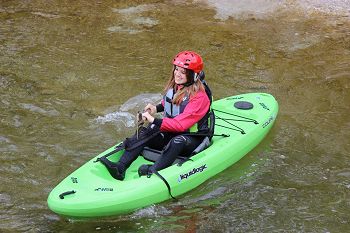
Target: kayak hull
91 191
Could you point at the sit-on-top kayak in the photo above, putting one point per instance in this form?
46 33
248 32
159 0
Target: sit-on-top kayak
91 191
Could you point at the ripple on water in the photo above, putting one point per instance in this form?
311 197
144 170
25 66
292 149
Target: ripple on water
123 29
133 21
239 9
34 108
125 118
151 211
6 146
145 21
140 101
5 81
220 191
134 10
46 15
5 199
13 84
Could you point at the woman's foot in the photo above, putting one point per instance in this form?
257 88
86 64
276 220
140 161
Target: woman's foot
115 169
145 170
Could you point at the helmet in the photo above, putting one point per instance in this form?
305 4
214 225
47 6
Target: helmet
189 60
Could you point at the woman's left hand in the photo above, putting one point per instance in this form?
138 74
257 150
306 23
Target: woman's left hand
148 117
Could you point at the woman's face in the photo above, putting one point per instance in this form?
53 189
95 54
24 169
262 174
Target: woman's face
180 75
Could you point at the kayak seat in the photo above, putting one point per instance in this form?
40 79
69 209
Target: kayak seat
153 154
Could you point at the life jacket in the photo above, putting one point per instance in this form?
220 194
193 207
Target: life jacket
171 110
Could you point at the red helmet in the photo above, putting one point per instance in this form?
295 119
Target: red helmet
189 60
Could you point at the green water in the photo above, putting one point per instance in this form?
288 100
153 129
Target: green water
66 65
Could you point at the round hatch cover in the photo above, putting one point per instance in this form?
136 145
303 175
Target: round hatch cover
245 105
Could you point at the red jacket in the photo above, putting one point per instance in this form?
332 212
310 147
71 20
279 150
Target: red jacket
194 111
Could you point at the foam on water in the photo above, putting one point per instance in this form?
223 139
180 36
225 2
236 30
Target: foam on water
140 101
126 113
34 108
327 6
123 29
145 21
213 194
262 8
132 19
152 211
237 9
134 10
125 118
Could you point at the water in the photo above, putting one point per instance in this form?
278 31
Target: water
73 73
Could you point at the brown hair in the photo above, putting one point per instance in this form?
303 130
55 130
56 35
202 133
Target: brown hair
186 90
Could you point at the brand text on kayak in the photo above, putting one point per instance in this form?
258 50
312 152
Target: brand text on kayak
192 172
104 190
268 121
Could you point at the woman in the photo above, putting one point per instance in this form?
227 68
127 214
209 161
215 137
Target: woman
185 105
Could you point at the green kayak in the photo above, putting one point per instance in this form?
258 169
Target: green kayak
90 191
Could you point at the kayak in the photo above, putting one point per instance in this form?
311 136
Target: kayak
241 123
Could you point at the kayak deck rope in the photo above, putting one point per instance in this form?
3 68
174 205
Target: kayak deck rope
165 182
227 120
116 149
246 119
239 130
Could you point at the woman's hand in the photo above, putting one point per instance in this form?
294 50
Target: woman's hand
147 116
151 109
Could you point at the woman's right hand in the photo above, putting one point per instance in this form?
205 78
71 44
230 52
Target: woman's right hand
148 117
151 109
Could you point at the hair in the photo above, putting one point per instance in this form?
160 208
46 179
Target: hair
190 90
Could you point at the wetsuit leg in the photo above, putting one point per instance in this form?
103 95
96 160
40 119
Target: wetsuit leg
133 149
179 145
129 156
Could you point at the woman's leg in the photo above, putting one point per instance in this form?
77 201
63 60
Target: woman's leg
117 170
129 156
179 145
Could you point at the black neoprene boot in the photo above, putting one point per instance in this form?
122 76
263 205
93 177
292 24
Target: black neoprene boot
117 170
145 170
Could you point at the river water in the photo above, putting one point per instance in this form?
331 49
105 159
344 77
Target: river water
73 73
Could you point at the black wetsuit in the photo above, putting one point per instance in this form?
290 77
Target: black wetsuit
171 145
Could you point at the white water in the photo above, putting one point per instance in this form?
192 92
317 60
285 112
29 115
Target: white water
262 8
125 114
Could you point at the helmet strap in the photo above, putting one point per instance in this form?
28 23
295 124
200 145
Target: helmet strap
195 77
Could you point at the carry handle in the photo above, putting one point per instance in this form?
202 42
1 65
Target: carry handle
66 193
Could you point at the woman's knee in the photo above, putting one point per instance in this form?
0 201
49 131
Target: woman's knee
180 140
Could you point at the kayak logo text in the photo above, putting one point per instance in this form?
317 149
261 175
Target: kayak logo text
104 189
192 172
268 121
74 180
264 106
